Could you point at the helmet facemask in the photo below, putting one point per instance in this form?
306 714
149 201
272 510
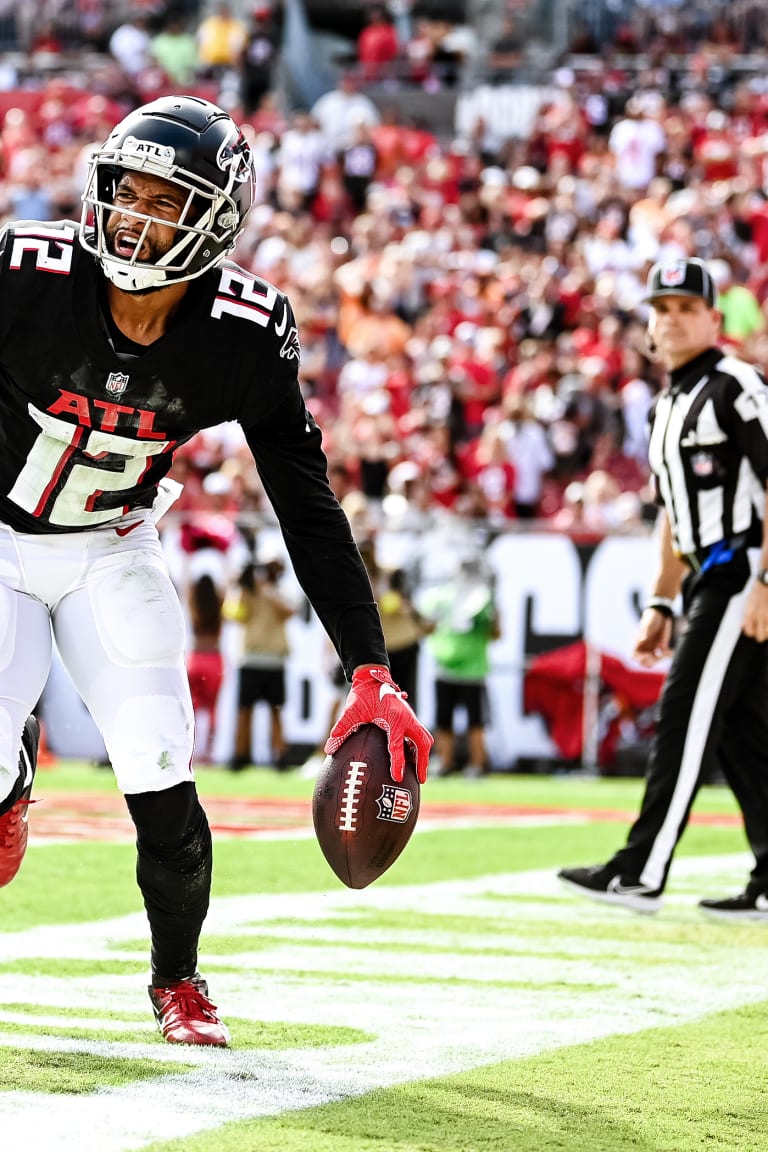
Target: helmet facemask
214 209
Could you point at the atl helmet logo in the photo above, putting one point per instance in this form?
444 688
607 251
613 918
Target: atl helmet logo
672 275
234 156
162 153
394 804
117 382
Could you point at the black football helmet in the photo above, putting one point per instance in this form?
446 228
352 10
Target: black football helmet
198 147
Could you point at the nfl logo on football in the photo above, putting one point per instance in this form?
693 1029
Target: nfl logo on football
394 804
117 382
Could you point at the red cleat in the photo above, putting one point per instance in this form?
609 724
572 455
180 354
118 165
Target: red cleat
13 823
185 1015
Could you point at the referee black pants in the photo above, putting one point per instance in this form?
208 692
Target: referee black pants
713 712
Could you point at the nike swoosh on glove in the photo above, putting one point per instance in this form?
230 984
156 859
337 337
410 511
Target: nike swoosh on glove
374 698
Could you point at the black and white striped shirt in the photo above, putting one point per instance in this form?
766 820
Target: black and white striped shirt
708 451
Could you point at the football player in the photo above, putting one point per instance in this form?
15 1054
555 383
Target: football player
120 338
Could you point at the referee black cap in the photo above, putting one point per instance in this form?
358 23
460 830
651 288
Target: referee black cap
681 278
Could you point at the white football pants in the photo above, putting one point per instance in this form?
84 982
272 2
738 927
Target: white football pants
120 631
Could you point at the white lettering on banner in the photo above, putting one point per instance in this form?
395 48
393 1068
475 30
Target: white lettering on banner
546 594
617 585
540 574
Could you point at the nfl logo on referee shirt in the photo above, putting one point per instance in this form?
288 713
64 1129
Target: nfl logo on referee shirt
672 275
117 382
394 804
702 464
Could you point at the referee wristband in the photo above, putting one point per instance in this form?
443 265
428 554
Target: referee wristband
662 604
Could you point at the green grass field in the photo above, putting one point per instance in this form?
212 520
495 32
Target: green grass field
463 1003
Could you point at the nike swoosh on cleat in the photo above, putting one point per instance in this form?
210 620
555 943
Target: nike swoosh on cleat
761 903
620 889
128 528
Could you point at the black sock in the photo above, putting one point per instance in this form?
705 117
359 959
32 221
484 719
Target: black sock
173 870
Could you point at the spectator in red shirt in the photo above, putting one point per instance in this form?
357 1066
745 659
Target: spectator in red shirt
377 45
715 152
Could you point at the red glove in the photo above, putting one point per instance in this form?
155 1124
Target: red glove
374 698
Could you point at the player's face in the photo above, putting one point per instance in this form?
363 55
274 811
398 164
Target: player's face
137 196
682 327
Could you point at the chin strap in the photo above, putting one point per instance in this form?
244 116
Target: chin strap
135 278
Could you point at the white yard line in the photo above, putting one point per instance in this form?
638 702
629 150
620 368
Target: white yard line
572 988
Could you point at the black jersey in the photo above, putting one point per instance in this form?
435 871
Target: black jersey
87 432
709 452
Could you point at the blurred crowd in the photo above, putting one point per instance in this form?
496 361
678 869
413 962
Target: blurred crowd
469 303
469 299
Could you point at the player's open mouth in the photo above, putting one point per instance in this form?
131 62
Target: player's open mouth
125 245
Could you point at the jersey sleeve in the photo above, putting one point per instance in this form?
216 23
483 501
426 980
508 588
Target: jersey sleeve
273 364
287 449
747 412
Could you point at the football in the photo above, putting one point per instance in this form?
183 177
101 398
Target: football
363 819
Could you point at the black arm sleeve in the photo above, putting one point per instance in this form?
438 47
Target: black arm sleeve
287 449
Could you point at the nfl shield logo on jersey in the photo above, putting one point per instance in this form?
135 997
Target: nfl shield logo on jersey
702 464
117 382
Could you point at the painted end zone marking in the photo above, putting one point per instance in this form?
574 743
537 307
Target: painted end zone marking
70 817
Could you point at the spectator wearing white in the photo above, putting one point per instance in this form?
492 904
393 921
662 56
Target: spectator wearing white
339 112
610 249
636 141
301 156
263 147
130 44
636 397
529 451
606 507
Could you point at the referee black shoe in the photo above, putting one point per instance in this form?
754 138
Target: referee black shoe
601 882
748 905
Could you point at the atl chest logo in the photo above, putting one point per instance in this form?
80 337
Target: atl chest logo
117 382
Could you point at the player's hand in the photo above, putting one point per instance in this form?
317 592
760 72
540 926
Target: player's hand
755 622
374 698
653 640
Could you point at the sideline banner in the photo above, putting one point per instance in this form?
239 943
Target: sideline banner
551 591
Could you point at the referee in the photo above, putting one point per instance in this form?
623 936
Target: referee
708 453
